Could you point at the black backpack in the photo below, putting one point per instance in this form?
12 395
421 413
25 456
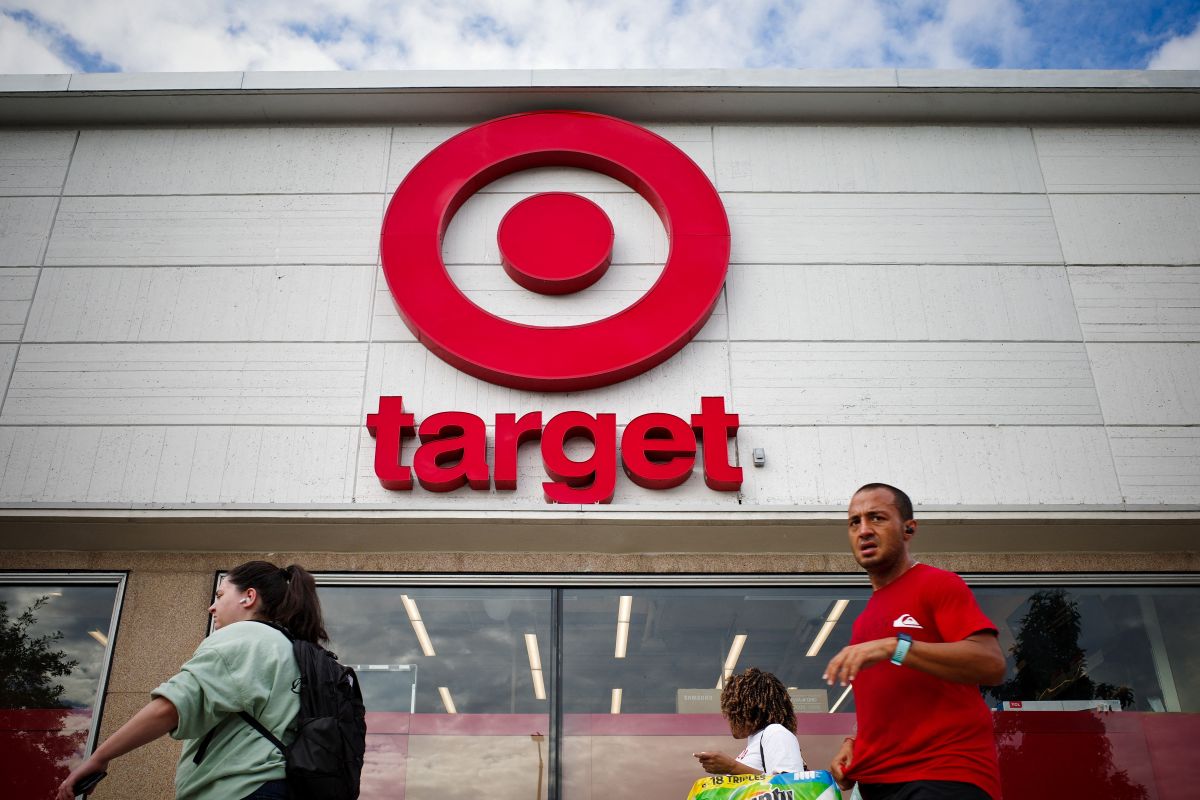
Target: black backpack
325 760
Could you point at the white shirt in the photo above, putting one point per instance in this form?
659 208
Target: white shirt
780 747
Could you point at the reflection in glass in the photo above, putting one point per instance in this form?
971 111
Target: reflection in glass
1050 666
454 685
640 709
455 701
1128 645
671 640
53 644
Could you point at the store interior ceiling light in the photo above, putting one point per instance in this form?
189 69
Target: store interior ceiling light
615 708
735 652
99 637
834 615
414 616
842 698
447 700
535 666
624 612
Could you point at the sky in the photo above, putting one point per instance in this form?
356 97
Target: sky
61 36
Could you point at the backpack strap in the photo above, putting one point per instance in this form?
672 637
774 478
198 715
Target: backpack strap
252 722
263 730
208 737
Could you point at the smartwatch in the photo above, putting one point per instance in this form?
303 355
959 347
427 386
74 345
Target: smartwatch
903 642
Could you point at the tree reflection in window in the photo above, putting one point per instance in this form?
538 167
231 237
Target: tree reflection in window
1051 665
30 669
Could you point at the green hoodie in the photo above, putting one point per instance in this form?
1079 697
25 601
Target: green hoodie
244 666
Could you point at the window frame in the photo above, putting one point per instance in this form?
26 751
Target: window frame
557 582
119 579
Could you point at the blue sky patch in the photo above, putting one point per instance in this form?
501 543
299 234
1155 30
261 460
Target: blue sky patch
63 44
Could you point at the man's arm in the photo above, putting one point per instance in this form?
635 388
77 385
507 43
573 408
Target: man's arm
841 762
975 660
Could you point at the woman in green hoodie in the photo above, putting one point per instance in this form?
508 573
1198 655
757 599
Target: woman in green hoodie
240 667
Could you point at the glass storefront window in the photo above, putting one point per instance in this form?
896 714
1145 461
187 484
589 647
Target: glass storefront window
457 686
642 670
641 663
56 634
1135 648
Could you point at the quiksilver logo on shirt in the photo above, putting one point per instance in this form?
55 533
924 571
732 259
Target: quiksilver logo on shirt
906 621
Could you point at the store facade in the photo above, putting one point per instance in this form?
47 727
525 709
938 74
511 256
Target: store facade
552 503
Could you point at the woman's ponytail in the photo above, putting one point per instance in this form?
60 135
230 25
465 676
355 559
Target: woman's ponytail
289 597
300 609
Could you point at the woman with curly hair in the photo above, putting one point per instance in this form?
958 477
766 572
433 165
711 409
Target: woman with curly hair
757 706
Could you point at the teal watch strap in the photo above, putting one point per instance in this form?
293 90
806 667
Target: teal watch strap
903 642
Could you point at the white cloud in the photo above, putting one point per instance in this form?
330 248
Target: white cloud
148 35
1182 52
23 52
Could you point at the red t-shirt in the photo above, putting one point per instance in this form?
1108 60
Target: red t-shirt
911 725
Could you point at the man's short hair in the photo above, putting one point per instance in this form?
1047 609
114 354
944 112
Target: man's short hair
902 501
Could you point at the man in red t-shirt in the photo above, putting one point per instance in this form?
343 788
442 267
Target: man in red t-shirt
917 656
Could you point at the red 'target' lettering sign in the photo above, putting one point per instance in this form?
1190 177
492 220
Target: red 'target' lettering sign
555 243
658 450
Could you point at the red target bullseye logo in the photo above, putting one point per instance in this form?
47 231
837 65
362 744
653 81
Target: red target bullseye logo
555 243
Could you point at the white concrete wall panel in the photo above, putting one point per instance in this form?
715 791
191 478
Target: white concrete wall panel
1147 384
891 229
1157 466
896 383
1115 160
176 465
210 229
919 158
531 474
490 288
24 228
870 302
186 384
429 385
34 162
989 467
1137 304
193 304
411 143
1158 229
16 295
284 160
209 324
8 358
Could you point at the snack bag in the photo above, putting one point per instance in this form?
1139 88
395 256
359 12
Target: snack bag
818 785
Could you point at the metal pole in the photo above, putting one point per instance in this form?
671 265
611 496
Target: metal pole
554 783
412 705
